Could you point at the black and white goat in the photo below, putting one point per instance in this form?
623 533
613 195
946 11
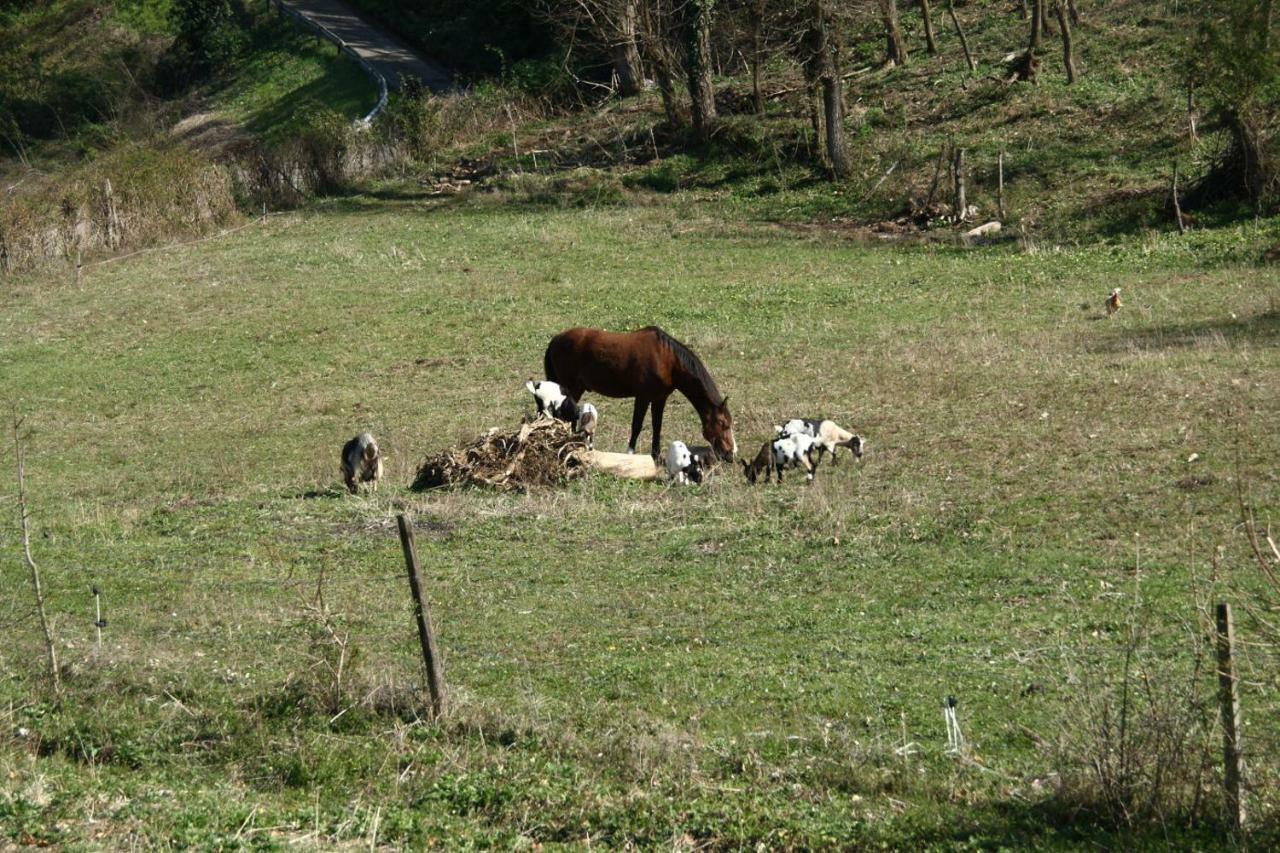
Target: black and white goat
552 401
682 466
780 453
826 434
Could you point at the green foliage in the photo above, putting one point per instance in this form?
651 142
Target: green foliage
152 17
210 34
545 79
1235 57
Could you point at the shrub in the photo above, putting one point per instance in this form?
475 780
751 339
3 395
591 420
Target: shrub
210 35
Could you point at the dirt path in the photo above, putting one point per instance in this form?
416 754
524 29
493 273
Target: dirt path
388 54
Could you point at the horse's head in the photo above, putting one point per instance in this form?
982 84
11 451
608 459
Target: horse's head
717 428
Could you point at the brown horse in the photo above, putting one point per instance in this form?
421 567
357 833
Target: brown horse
648 365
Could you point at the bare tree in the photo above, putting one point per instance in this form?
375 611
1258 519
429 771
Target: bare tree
626 51
696 27
755 13
930 45
1067 60
1037 25
657 25
964 42
51 649
895 47
820 67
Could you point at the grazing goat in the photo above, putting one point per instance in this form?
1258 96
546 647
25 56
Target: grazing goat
826 434
1113 302
551 400
795 451
681 466
361 461
588 417
785 451
762 463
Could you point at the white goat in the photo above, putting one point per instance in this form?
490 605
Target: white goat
588 417
827 436
680 464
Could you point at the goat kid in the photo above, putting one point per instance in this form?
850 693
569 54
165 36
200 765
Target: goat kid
682 466
551 400
827 436
362 462
785 451
588 417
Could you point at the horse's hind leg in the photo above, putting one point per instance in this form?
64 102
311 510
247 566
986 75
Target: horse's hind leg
637 424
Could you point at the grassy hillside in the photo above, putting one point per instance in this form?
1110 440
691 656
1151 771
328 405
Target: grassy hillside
91 97
722 665
83 77
1084 161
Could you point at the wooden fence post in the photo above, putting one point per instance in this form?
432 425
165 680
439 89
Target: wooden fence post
1000 186
112 216
1229 696
962 207
1177 205
427 637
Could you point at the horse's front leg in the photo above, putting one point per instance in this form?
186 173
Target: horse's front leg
658 406
637 424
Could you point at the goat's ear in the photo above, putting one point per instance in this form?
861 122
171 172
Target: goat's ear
724 403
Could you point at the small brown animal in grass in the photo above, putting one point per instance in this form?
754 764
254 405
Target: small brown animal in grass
1113 302
762 462
361 462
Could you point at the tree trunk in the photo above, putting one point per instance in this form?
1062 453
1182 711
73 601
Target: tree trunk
964 42
1067 60
757 54
697 37
820 68
657 26
1037 14
834 107
1023 6
813 92
895 47
626 53
667 86
930 45
1073 12
1046 26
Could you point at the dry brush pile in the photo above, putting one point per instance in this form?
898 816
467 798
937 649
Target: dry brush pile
542 452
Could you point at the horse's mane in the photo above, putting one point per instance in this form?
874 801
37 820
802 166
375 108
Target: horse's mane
689 362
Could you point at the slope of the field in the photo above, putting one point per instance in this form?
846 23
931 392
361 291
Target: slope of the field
629 662
1082 162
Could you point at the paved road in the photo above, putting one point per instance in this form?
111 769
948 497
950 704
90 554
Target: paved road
390 56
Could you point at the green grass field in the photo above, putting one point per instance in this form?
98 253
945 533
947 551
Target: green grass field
720 665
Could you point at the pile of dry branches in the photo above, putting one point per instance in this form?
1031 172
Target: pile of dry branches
543 452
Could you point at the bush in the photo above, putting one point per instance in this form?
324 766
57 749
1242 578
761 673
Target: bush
1237 61
210 35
